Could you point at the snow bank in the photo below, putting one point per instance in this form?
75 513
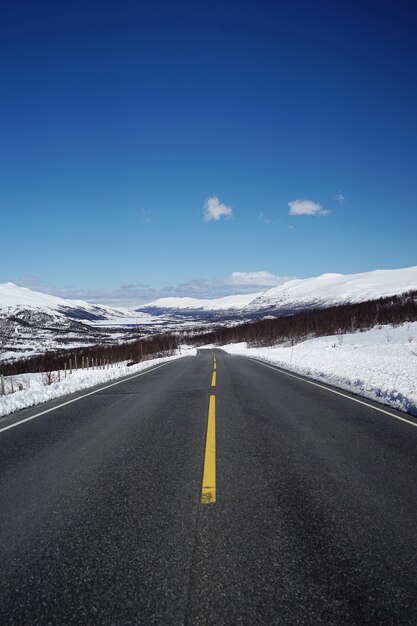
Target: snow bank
380 364
34 391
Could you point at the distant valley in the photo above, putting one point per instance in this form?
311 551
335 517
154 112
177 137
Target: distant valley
33 322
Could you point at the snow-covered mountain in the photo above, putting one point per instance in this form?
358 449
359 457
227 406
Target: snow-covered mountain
33 322
330 289
15 300
296 294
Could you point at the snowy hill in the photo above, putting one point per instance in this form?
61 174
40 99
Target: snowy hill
329 289
34 322
14 300
297 294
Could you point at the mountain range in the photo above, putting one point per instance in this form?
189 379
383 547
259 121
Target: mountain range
290 296
297 294
38 322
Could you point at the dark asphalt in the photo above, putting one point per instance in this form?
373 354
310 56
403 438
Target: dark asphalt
315 520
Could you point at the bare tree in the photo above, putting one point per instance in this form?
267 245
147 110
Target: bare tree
49 377
6 330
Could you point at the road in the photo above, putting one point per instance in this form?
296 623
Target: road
208 494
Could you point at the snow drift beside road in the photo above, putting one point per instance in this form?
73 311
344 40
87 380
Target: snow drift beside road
35 392
380 364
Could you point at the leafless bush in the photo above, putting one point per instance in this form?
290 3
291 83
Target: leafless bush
135 351
49 377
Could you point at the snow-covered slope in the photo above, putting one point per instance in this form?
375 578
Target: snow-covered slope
227 303
297 294
14 300
33 322
329 289
12 296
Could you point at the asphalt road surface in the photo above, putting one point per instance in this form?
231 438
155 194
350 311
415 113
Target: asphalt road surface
202 493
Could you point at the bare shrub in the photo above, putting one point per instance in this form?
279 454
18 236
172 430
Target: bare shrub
49 377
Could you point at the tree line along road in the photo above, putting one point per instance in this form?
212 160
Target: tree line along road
211 490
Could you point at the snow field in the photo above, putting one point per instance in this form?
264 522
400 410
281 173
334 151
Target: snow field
379 364
35 391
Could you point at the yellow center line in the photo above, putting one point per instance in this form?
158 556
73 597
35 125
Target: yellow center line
208 492
213 379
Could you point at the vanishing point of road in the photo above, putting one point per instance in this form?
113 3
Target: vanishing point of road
212 490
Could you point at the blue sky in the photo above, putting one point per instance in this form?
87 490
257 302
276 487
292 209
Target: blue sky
120 120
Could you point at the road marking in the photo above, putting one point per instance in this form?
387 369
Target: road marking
338 393
213 379
208 492
32 417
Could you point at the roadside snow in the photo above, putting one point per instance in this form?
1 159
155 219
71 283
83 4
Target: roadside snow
34 391
380 364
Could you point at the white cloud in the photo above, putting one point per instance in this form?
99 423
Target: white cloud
231 284
306 207
30 281
340 197
262 278
214 209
